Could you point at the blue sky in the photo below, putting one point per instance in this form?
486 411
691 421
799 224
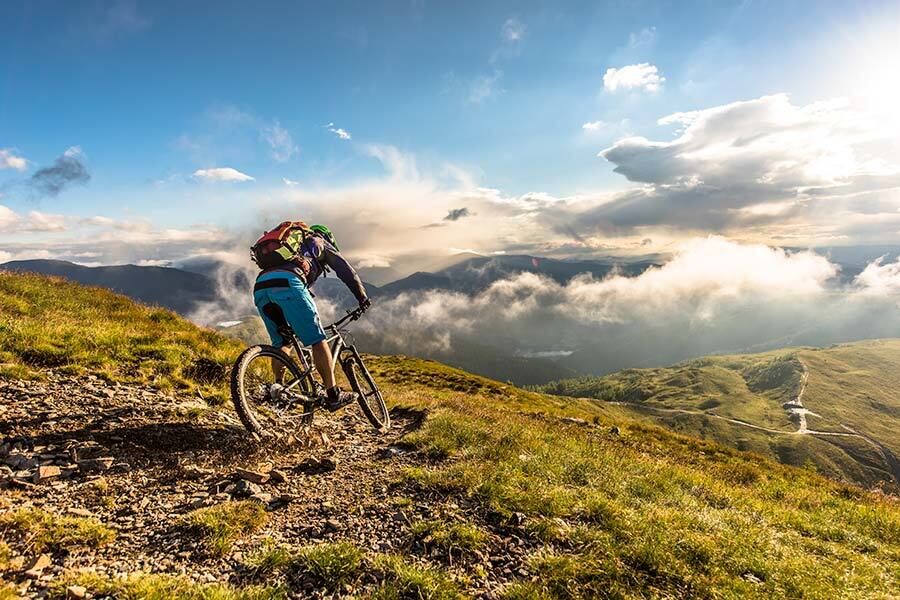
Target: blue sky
490 101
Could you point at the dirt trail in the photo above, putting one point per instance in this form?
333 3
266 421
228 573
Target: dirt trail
163 456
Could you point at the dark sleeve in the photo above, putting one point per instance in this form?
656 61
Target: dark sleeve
331 257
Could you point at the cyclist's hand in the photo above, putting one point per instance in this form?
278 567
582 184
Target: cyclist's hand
364 304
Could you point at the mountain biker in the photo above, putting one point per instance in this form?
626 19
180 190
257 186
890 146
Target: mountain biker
291 257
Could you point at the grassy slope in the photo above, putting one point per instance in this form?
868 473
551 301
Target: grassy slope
615 509
852 384
856 384
51 323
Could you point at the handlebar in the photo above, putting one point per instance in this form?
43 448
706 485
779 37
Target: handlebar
351 315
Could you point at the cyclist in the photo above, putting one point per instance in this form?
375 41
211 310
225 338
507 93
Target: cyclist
291 257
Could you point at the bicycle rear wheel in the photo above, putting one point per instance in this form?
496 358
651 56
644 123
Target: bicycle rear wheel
270 393
370 398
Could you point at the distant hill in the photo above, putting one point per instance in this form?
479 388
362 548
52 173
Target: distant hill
837 409
170 288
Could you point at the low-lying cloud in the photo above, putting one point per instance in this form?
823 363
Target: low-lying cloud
714 295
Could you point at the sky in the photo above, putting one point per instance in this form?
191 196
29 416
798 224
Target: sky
147 132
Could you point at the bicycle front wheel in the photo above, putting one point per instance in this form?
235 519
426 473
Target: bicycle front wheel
368 395
269 391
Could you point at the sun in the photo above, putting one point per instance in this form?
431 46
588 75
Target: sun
871 75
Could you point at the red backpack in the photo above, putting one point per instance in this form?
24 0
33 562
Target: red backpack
280 245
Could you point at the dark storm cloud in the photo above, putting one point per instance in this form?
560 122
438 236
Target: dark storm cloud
66 170
456 214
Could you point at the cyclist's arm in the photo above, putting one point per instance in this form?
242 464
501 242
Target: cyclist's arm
345 272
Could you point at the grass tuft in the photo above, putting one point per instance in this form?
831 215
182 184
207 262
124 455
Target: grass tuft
44 530
159 587
450 537
221 525
405 581
332 564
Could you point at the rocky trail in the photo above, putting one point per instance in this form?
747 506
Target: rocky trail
138 460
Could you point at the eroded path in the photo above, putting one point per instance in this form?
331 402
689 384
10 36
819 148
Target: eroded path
138 460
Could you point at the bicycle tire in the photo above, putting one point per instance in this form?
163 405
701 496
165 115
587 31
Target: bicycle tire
242 405
357 374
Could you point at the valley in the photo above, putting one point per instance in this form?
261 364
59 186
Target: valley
833 409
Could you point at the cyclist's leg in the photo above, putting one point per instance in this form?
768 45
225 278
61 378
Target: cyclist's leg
322 359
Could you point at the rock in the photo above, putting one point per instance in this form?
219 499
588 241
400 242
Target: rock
37 566
333 525
195 472
20 462
76 591
261 497
252 476
314 465
244 489
95 465
278 476
46 472
281 501
80 512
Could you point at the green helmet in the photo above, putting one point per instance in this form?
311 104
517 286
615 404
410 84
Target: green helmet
326 233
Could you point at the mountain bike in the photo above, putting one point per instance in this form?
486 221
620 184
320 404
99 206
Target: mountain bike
274 393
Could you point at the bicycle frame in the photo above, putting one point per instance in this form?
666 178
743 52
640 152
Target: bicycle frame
335 342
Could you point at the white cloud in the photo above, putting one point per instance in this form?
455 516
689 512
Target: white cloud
765 161
222 174
593 125
483 87
642 76
290 182
281 144
879 279
8 219
151 262
39 221
513 30
9 160
12 222
338 131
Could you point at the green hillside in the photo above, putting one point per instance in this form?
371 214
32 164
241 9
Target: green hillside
51 323
481 489
849 402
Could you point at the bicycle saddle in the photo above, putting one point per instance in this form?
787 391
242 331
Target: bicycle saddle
274 312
